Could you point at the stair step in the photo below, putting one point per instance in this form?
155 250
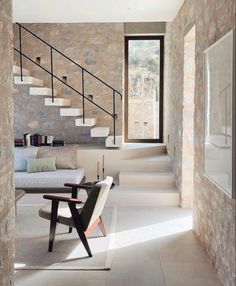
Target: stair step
164 180
57 102
89 122
132 151
42 91
16 70
28 80
71 111
110 141
136 196
100 132
161 163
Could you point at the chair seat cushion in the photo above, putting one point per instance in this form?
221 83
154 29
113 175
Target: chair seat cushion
55 179
64 214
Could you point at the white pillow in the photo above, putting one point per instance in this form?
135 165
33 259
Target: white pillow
21 154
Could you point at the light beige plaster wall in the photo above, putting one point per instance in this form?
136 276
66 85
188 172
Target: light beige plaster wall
214 212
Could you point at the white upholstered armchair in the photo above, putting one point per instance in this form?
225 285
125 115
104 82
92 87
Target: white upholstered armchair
75 214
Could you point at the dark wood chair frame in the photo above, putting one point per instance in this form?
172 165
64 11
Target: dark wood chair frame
75 215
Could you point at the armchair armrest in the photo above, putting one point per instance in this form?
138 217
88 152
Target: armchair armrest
62 199
88 185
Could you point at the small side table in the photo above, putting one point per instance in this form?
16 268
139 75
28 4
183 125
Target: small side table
19 193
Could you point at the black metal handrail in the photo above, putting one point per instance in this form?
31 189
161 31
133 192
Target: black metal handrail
65 83
83 70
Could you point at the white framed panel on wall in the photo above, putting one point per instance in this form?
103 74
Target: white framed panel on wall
219 90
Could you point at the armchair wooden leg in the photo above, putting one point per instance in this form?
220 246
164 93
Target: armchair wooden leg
102 227
53 224
78 224
70 229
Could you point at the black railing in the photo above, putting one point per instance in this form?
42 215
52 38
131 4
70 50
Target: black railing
83 71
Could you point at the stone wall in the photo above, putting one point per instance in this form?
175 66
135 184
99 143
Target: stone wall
97 47
7 193
214 212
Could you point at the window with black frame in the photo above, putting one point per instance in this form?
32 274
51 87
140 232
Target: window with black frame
144 88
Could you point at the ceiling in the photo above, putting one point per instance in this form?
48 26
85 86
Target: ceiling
72 11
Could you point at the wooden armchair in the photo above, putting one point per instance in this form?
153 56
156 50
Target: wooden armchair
75 214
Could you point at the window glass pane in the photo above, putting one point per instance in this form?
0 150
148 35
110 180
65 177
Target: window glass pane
143 89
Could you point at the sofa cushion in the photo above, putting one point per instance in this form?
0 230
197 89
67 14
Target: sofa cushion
66 157
21 155
41 164
55 179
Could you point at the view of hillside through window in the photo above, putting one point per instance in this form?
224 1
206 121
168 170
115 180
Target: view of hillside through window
143 89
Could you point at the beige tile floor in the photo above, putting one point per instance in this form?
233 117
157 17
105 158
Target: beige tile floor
154 246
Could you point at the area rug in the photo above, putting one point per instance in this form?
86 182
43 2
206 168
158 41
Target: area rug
32 234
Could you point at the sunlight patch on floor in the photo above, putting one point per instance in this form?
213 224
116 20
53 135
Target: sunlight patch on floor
152 232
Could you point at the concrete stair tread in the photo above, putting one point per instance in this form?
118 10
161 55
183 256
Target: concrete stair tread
129 196
133 151
28 80
157 158
159 163
100 132
133 146
110 141
163 180
143 173
152 190
89 122
57 102
71 111
45 91
16 70
122 196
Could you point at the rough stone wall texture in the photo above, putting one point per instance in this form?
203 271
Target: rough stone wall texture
7 194
188 121
97 47
214 212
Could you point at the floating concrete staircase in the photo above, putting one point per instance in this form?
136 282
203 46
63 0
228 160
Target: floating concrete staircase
110 141
28 80
100 132
71 112
88 122
45 91
147 172
57 102
16 70
37 88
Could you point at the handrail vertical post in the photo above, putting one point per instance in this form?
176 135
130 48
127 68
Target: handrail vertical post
114 117
20 40
83 95
52 83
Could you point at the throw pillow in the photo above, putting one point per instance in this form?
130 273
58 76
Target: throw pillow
41 165
21 154
66 157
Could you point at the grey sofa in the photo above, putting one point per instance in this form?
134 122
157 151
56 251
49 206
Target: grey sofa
67 170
